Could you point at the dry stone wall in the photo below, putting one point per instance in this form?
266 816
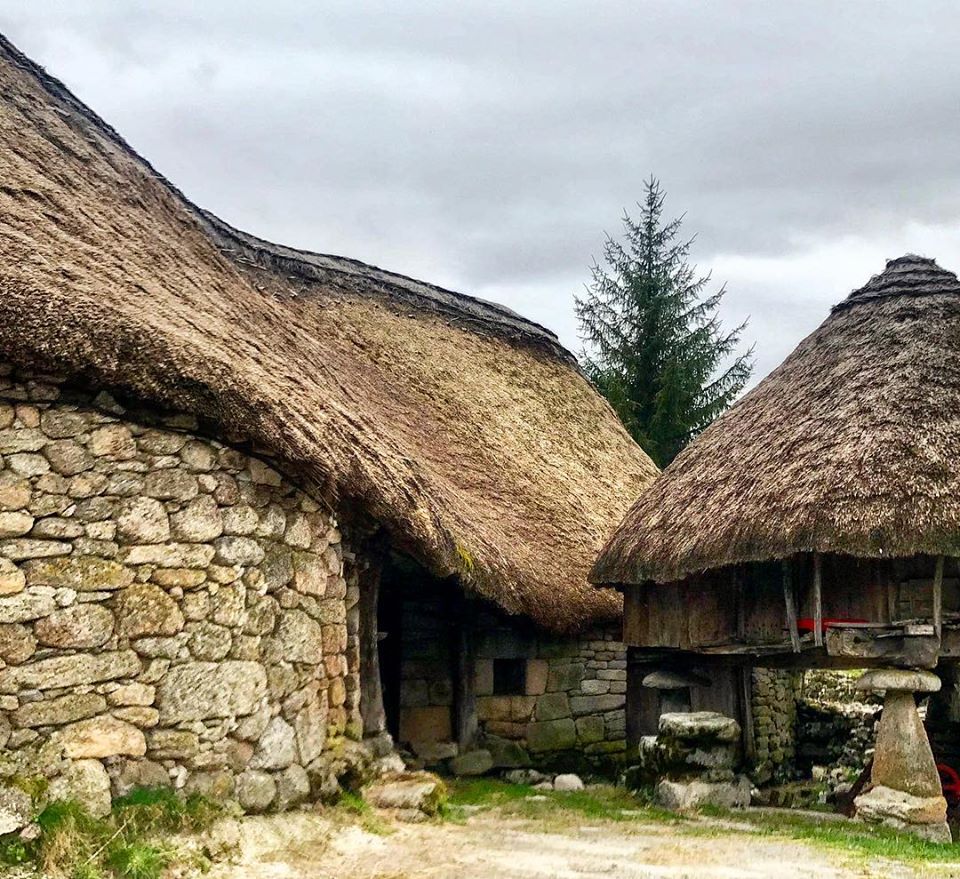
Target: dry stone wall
774 706
172 611
573 708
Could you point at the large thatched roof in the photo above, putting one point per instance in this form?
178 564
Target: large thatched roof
466 430
851 445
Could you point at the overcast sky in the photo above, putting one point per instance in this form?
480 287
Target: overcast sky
486 146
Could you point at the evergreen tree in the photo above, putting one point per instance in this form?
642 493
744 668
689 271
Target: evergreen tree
654 346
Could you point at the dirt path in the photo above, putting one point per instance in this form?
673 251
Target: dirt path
492 846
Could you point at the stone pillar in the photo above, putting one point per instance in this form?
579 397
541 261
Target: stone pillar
905 788
674 687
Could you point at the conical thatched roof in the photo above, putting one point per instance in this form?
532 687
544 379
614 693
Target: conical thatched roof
851 445
464 429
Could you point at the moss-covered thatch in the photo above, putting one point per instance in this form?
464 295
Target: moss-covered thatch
852 445
468 432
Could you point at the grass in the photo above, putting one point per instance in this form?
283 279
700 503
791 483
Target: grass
851 838
601 802
73 844
356 807
859 842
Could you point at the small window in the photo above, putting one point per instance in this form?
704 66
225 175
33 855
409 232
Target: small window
509 677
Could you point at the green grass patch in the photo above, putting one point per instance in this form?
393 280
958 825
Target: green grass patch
356 807
855 839
600 802
72 844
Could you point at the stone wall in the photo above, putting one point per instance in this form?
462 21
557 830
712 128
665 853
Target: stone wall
172 611
836 728
774 707
426 688
575 693
569 707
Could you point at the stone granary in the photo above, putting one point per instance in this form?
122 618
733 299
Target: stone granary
817 523
258 504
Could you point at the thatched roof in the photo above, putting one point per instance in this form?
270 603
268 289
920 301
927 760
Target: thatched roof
468 432
852 445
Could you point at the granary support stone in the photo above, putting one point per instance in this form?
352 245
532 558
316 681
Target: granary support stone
674 687
905 790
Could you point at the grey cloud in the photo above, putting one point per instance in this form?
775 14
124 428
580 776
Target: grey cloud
488 145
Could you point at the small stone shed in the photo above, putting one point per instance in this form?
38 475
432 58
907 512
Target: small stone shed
259 506
817 523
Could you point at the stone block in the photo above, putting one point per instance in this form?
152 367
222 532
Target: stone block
552 706
580 705
506 753
56 712
301 637
17 643
412 792
80 626
537 674
171 555
425 725
198 522
69 671
697 726
590 729
82 573
565 676
476 762
99 737
277 748
551 735
145 610
594 687
201 690
255 790
84 782
681 796
483 677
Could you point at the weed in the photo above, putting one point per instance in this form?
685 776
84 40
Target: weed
149 810
137 860
73 843
599 802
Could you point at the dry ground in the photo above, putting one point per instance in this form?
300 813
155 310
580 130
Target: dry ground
497 840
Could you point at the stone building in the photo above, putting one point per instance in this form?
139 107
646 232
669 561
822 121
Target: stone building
814 525
260 507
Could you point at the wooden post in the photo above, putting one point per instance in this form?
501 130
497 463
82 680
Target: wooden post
371 692
745 676
791 606
817 600
465 700
938 597
741 605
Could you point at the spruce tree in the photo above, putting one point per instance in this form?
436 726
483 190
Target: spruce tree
654 346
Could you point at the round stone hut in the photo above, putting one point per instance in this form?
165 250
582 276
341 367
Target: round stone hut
817 524
266 513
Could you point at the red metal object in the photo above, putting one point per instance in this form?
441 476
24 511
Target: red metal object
805 624
950 782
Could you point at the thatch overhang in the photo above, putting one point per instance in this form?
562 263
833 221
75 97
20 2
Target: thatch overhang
852 445
467 431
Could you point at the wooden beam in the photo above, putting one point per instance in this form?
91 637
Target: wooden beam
465 700
745 680
371 691
817 599
741 604
791 605
938 597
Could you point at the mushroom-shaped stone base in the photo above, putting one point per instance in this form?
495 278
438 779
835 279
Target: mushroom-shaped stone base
674 687
905 787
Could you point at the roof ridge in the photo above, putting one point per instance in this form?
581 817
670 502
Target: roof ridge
907 275
471 310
